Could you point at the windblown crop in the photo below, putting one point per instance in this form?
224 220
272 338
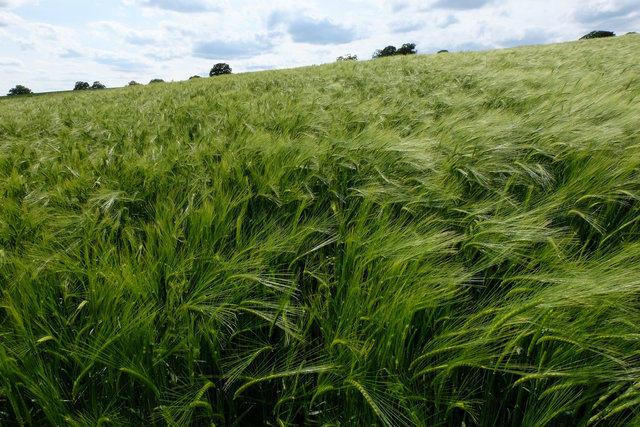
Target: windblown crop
423 240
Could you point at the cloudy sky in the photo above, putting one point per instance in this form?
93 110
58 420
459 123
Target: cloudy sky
50 44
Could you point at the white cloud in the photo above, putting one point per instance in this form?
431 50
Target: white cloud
304 29
156 37
232 49
36 38
447 21
461 4
174 39
122 63
7 19
182 6
399 6
10 62
406 26
617 14
527 37
12 4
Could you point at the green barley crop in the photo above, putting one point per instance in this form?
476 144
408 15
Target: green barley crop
422 240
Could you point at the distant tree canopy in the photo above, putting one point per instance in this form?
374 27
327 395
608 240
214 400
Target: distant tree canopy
156 81
133 83
387 51
347 57
598 35
405 49
194 77
82 86
219 69
19 90
86 86
443 51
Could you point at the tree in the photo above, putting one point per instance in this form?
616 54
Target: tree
219 69
97 85
133 83
19 90
194 77
82 86
407 49
387 51
347 57
598 34
156 81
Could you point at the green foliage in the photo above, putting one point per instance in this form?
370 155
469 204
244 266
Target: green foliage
156 81
598 35
19 90
329 246
82 86
220 69
405 49
387 51
133 83
95 86
347 57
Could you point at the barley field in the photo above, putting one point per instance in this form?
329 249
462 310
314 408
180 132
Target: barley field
430 240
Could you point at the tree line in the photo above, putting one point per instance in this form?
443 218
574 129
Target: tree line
410 48
85 86
217 70
224 68
405 49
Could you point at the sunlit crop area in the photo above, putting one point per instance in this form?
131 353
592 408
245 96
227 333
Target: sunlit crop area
421 240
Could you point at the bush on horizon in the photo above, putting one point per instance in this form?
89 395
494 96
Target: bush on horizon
597 35
220 69
19 90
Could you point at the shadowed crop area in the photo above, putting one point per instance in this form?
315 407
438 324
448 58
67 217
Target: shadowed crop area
421 240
